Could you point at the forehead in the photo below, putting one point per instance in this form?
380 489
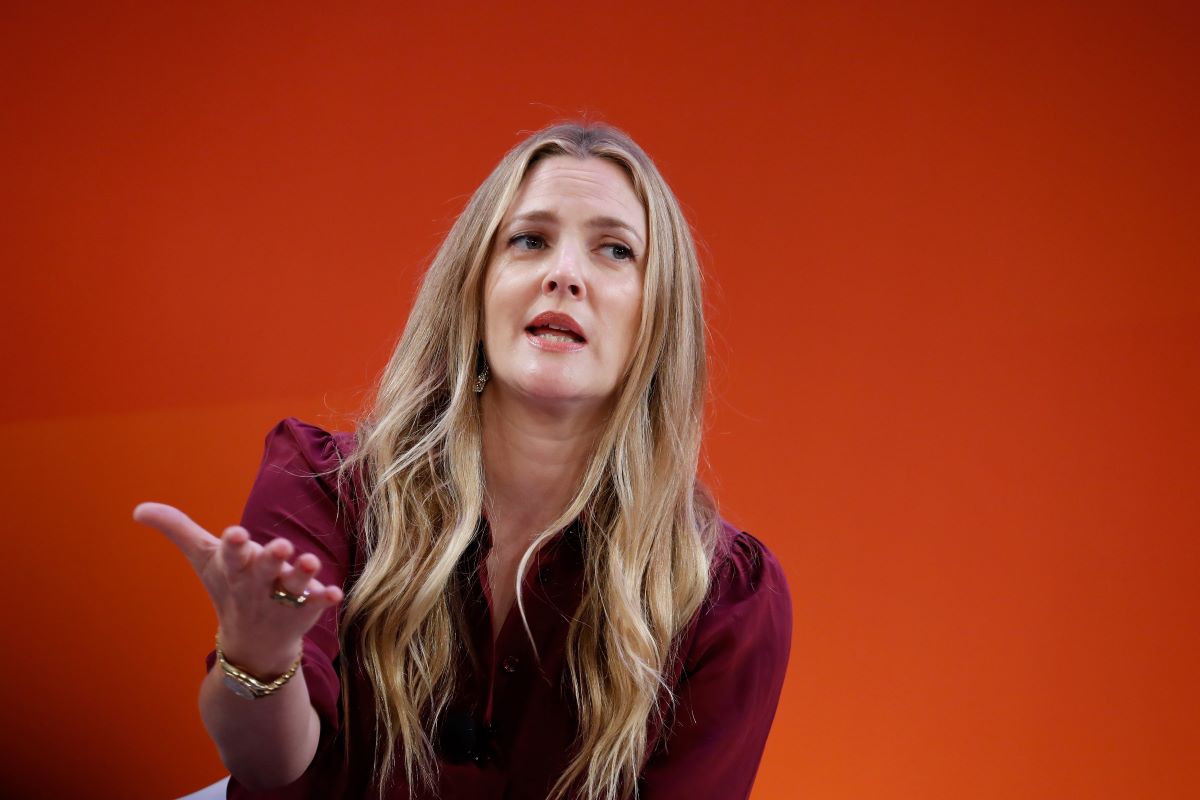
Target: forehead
565 184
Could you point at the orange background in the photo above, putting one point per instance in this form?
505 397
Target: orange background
955 303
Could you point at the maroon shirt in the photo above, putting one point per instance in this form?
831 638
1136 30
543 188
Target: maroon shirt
510 728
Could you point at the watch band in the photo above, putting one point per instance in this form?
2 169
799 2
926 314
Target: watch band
243 684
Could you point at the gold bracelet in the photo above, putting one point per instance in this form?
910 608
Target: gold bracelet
243 684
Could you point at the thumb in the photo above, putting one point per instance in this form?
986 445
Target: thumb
196 544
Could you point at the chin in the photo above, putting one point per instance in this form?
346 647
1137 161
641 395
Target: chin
555 388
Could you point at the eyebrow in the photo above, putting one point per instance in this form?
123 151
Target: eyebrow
594 222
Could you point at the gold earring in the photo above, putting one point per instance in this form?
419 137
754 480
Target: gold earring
482 378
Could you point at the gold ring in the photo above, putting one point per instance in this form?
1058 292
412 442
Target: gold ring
287 598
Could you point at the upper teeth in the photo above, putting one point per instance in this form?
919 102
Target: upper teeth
558 328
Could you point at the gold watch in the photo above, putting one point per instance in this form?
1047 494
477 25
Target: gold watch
243 684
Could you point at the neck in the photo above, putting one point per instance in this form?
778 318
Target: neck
533 461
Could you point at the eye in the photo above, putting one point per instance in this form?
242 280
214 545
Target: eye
620 252
527 241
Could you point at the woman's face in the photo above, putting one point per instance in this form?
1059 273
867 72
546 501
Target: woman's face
563 288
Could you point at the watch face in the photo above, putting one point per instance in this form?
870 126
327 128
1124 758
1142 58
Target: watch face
238 688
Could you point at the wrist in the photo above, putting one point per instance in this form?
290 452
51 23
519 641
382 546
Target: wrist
249 685
263 663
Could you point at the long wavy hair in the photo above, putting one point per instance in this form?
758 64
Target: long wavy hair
648 528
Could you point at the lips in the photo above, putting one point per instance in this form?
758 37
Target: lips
553 326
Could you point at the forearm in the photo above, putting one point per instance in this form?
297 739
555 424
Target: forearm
265 603
267 742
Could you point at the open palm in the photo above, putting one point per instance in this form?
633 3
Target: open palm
240 575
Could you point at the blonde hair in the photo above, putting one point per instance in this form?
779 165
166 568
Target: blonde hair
649 529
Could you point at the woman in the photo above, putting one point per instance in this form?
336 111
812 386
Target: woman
534 443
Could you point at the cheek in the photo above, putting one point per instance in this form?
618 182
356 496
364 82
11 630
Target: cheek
488 300
627 311
498 301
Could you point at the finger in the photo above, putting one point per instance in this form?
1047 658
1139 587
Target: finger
235 548
268 563
196 543
299 578
309 563
322 597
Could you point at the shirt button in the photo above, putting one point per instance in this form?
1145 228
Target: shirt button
510 664
544 574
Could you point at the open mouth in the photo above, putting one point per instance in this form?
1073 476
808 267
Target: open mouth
554 333
555 329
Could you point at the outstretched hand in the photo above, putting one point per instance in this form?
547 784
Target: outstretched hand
258 633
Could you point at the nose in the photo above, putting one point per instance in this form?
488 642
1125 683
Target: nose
565 274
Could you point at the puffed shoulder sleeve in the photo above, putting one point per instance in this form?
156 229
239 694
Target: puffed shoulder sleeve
296 496
730 684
